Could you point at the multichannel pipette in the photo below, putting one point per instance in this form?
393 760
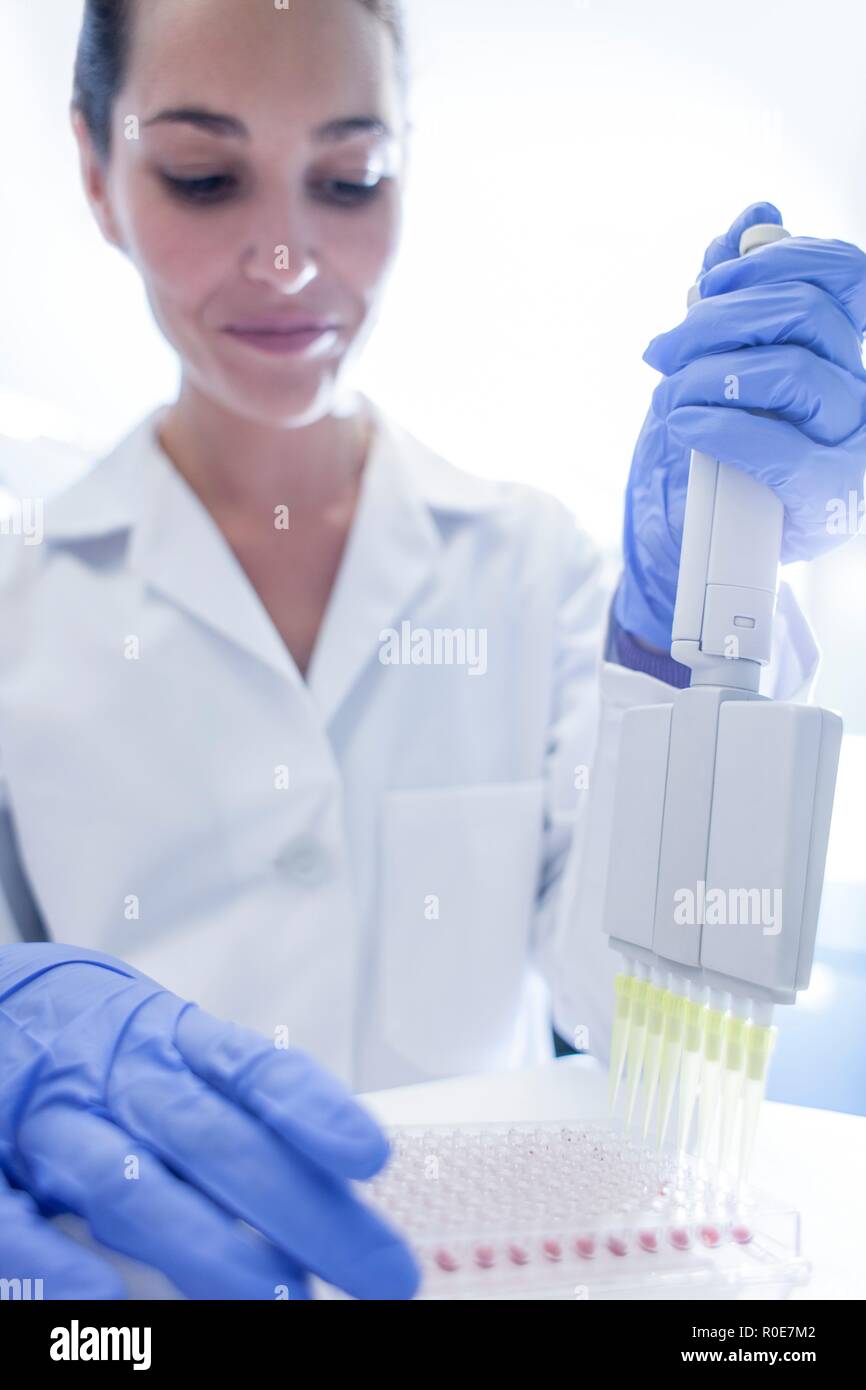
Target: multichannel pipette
721 818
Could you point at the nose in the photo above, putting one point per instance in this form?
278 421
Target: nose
279 252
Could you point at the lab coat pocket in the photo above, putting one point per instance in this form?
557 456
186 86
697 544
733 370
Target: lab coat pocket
459 878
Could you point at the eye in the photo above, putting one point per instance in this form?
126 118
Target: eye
347 194
210 188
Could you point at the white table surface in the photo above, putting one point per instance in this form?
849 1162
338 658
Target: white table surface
814 1159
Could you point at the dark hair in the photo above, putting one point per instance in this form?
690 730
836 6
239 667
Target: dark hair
103 46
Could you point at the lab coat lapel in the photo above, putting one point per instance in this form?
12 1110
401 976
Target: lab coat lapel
180 552
175 548
391 551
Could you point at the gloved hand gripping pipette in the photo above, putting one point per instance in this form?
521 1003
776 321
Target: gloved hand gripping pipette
721 819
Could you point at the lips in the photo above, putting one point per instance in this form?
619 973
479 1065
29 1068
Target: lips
281 326
299 337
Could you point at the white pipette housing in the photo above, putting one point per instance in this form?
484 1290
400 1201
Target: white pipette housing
723 797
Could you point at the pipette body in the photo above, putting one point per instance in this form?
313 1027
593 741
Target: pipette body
721 818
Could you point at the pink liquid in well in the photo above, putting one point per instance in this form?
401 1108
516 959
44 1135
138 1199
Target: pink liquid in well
585 1247
447 1261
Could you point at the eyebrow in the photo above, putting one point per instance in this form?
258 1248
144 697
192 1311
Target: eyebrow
217 123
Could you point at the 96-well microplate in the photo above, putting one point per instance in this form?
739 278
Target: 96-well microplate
576 1211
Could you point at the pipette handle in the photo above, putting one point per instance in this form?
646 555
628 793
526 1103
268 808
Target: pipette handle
732 538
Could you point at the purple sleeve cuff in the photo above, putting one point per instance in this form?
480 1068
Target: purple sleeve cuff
622 649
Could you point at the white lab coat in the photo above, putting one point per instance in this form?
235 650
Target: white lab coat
379 861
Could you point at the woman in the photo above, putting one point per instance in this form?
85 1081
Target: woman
295 717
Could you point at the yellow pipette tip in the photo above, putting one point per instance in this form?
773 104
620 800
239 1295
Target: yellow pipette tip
623 987
636 1044
670 1063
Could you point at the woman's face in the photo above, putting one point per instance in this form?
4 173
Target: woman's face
253 190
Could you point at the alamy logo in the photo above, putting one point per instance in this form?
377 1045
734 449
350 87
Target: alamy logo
436 646
22 1290
22 516
76 1343
729 907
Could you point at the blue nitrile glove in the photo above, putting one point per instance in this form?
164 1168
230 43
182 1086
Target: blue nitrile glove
160 1126
780 329
44 1262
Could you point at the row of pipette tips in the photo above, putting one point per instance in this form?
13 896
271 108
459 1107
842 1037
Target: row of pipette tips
674 1039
